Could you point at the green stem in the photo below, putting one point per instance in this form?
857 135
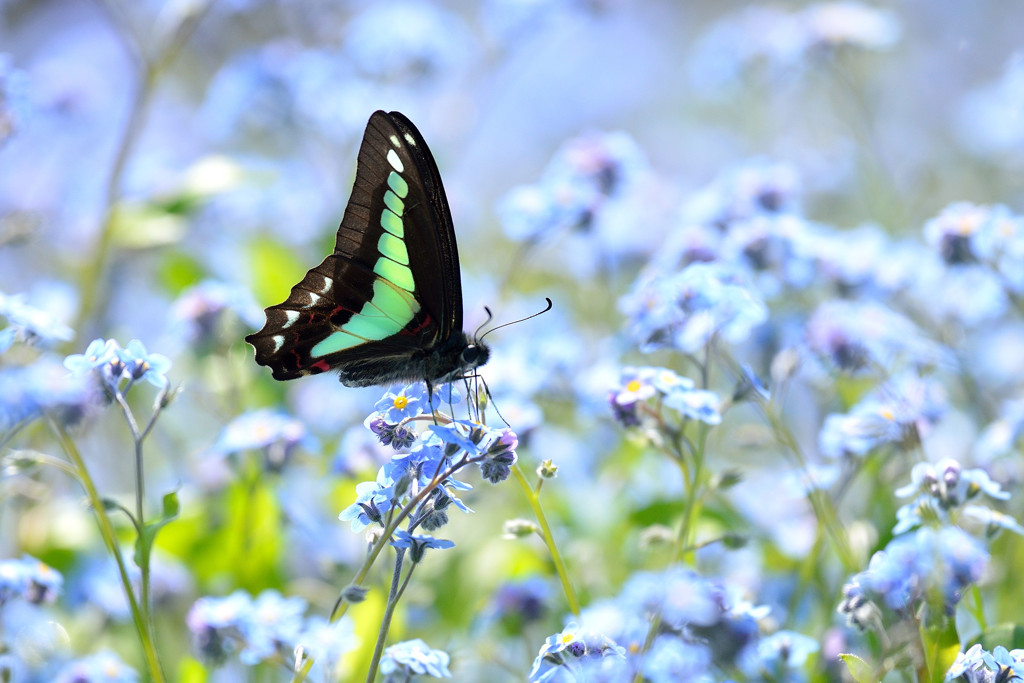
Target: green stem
394 594
533 498
109 535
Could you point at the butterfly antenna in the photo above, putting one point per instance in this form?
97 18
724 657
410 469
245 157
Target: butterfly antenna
545 310
490 317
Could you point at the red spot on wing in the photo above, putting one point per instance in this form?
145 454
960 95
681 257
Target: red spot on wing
413 331
319 366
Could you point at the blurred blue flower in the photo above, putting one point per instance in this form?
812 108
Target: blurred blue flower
977 665
673 659
897 413
102 667
781 655
696 404
964 295
403 660
954 232
273 93
96 581
636 384
264 629
30 580
44 387
563 655
271 627
200 310
409 41
780 42
275 434
327 643
689 309
215 624
929 566
29 325
750 189
943 489
14 98
98 354
518 603
867 337
987 120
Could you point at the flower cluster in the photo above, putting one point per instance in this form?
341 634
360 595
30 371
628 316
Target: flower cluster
638 385
270 432
898 413
268 628
424 474
119 368
780 42
925 568
942 492
702 628
44 388
410 658
29 325
686 310
978 665
597 191
30 580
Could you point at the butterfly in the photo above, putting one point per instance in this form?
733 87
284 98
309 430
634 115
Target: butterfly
386 306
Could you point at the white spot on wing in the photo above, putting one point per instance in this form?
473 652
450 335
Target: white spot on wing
395 142
278 340
395 162
292 317
410 140
328 283
313 298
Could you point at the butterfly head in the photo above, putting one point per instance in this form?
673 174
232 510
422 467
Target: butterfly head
474 355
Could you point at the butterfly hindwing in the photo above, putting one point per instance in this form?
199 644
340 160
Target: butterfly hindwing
390 294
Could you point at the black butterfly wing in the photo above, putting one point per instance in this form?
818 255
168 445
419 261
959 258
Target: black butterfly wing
391 291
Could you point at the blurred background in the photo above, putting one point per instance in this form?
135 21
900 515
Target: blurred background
168 169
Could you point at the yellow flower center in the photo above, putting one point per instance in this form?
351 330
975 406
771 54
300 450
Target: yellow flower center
401 402
634 385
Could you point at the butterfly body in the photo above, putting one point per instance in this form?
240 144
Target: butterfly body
386 306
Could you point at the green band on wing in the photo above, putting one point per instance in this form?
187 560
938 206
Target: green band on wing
391 301
393 248
396 273
391 223
334 342
398 185
392 201
372 328
390 310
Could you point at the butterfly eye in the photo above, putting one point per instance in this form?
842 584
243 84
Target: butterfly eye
471 355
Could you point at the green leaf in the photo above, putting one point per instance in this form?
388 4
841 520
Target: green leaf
859 670
941 646
144 543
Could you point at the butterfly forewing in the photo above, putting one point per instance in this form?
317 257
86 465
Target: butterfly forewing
391 290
